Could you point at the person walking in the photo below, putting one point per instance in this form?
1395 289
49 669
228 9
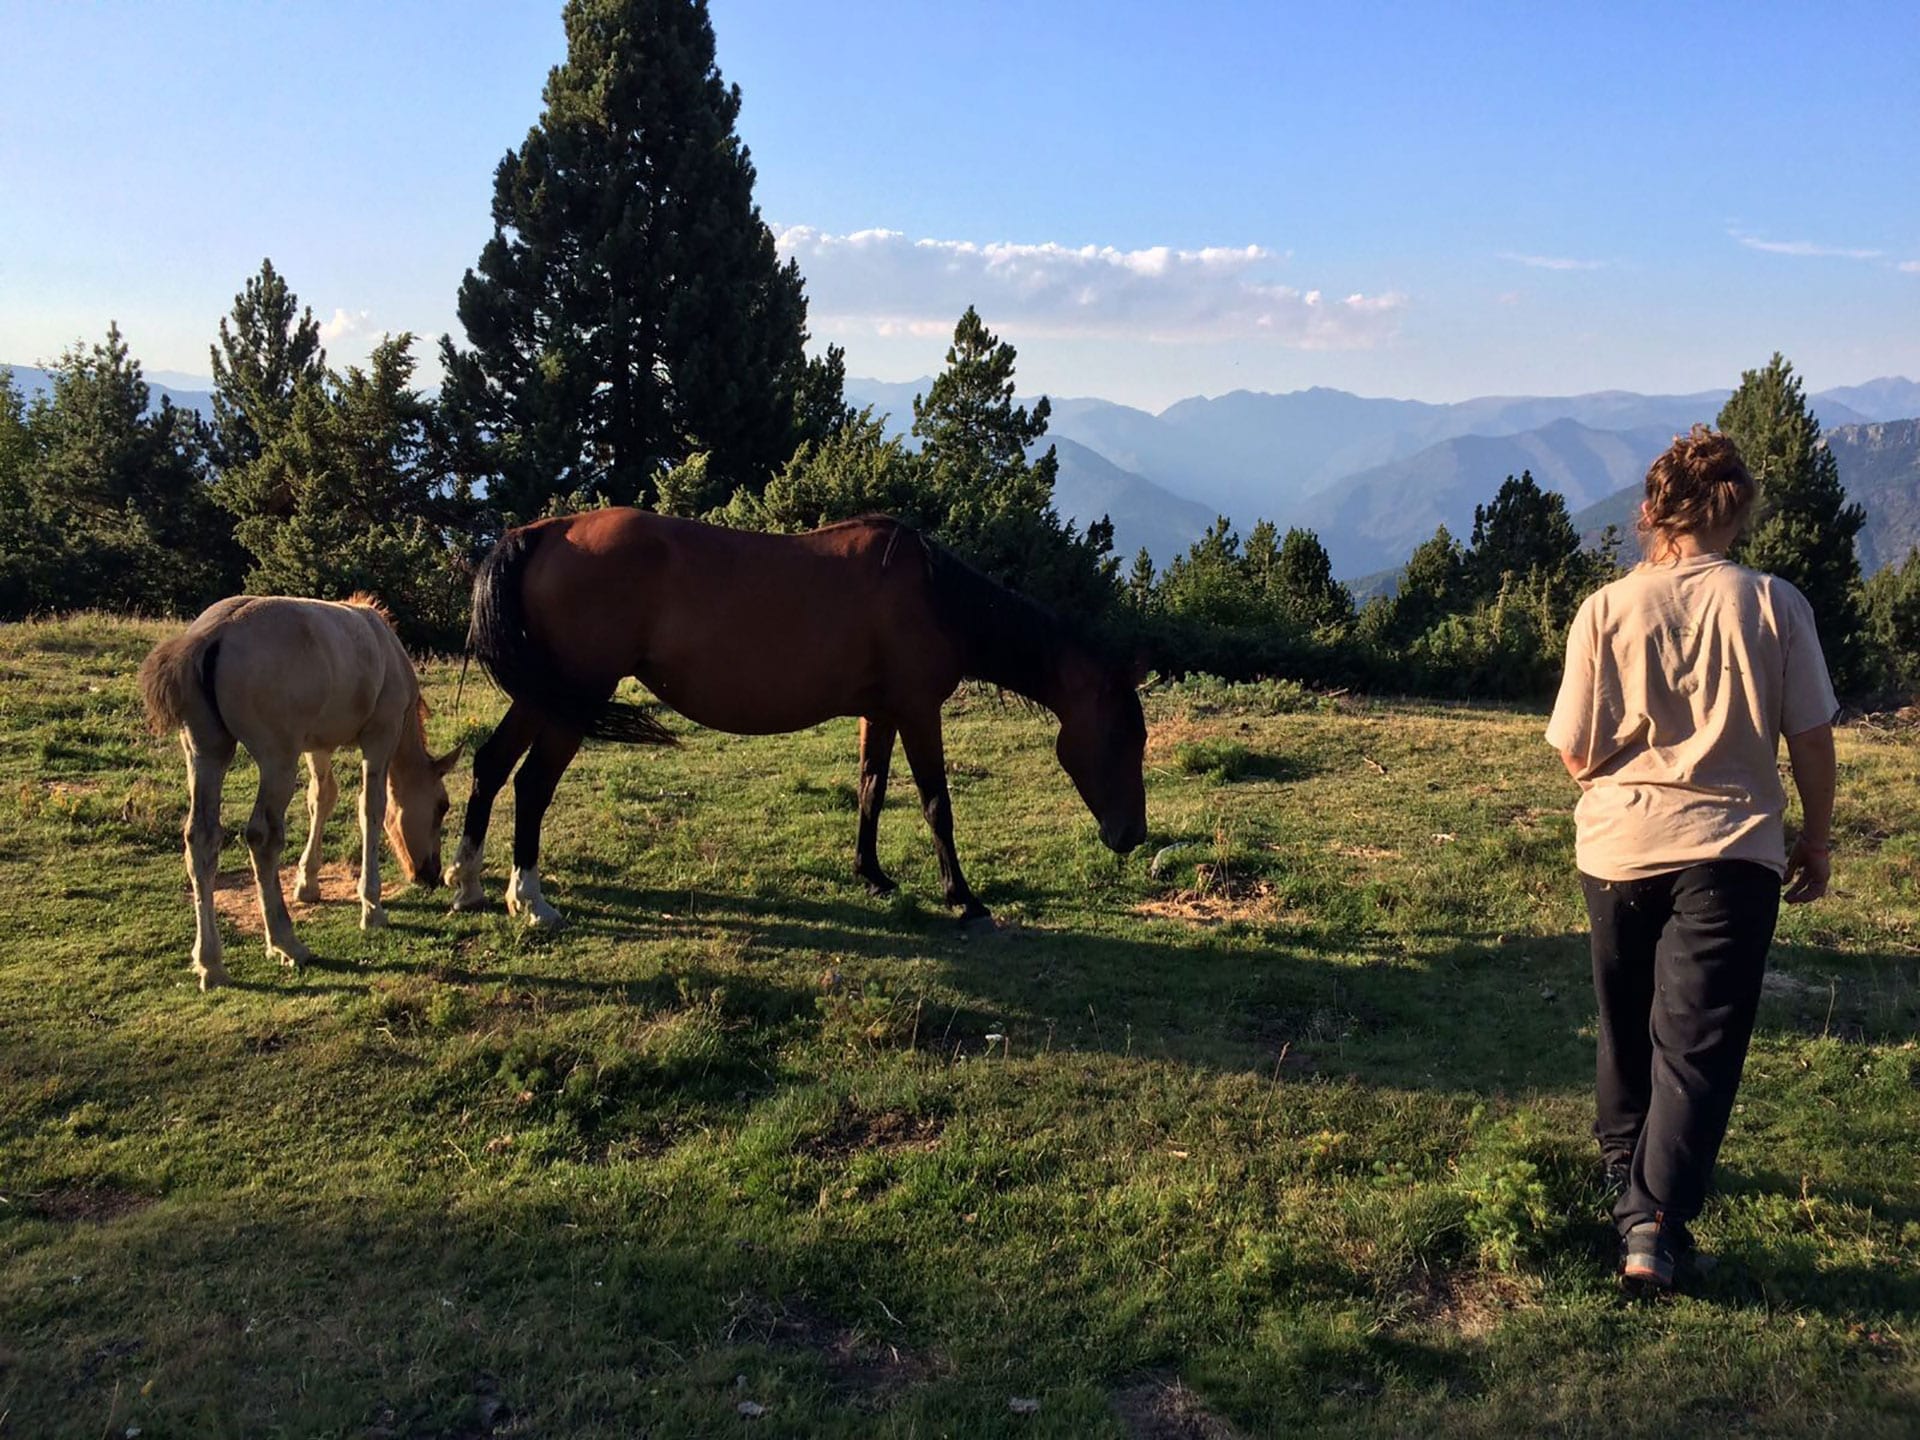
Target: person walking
1681 678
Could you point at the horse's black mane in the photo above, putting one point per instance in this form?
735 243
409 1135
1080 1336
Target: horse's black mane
1003 637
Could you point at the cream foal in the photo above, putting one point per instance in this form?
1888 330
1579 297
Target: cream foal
284 678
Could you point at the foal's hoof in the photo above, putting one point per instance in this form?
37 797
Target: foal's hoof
292 955
373 917
212 977
307 892
473 898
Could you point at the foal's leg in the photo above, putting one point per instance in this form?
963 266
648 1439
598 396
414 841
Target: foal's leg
928 759
533 790
373 814
323 793
267 840
206 770
876 758
493 762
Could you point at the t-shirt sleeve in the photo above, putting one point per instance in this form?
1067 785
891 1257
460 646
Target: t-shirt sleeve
1570 730
1807 700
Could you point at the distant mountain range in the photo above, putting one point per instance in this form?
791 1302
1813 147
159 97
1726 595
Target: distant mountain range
1372 477
31 380
1375 477
1880 466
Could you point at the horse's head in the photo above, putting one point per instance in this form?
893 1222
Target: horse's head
416 810
1102 745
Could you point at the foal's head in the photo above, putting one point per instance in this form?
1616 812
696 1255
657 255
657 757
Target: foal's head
1102 746
417 809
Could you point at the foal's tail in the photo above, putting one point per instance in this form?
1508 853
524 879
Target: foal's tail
176 681
523 668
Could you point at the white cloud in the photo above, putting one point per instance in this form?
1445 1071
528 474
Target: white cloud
1910 267
1804 248
886 284
346 325
1552 262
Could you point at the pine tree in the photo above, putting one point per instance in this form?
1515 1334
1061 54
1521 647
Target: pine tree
1433 586
1209 583
28 547
1802 527
630 310
1522 530
367 501
1892 605
273 345
124 486
1303 577
996 505
1140 580
858 469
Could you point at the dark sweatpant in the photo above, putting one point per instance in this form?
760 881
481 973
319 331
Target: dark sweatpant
1677 964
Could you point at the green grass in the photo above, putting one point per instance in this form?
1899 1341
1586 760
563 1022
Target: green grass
1289 1136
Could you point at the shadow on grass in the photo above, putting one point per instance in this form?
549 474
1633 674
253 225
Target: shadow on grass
410 1316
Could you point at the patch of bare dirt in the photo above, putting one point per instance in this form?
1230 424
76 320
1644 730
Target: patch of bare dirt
1159 1408
1372 854
1168 735
868 1369
91 1204
68 789
1471 1304
1218 895
855 1130
234 898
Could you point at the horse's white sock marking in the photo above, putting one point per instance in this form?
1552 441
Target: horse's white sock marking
524 898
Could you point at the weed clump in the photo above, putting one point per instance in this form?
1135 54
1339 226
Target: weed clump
1226 762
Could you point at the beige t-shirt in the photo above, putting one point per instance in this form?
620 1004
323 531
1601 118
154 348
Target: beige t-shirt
1681 678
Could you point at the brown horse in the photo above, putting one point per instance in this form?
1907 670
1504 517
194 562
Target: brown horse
760 634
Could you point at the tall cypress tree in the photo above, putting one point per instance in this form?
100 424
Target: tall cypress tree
630 310
1802 529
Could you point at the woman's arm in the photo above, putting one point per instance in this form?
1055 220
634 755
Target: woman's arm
1810 865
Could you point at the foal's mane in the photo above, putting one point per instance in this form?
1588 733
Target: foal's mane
365 600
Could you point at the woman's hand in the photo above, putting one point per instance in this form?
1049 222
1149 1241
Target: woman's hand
1809 868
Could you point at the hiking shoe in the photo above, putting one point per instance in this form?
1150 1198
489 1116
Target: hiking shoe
1652 1256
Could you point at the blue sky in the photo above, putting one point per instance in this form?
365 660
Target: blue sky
1151 201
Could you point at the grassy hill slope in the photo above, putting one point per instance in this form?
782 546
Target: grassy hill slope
1285 1133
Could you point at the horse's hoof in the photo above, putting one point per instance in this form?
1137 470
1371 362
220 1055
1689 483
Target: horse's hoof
307 892
373 917
979 921
212 977
880 885
473 899
538 915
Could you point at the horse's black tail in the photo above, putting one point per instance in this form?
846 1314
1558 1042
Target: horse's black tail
522 667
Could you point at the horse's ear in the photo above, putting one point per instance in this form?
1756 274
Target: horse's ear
447 761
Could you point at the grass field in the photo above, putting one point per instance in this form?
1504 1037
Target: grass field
1289 1137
